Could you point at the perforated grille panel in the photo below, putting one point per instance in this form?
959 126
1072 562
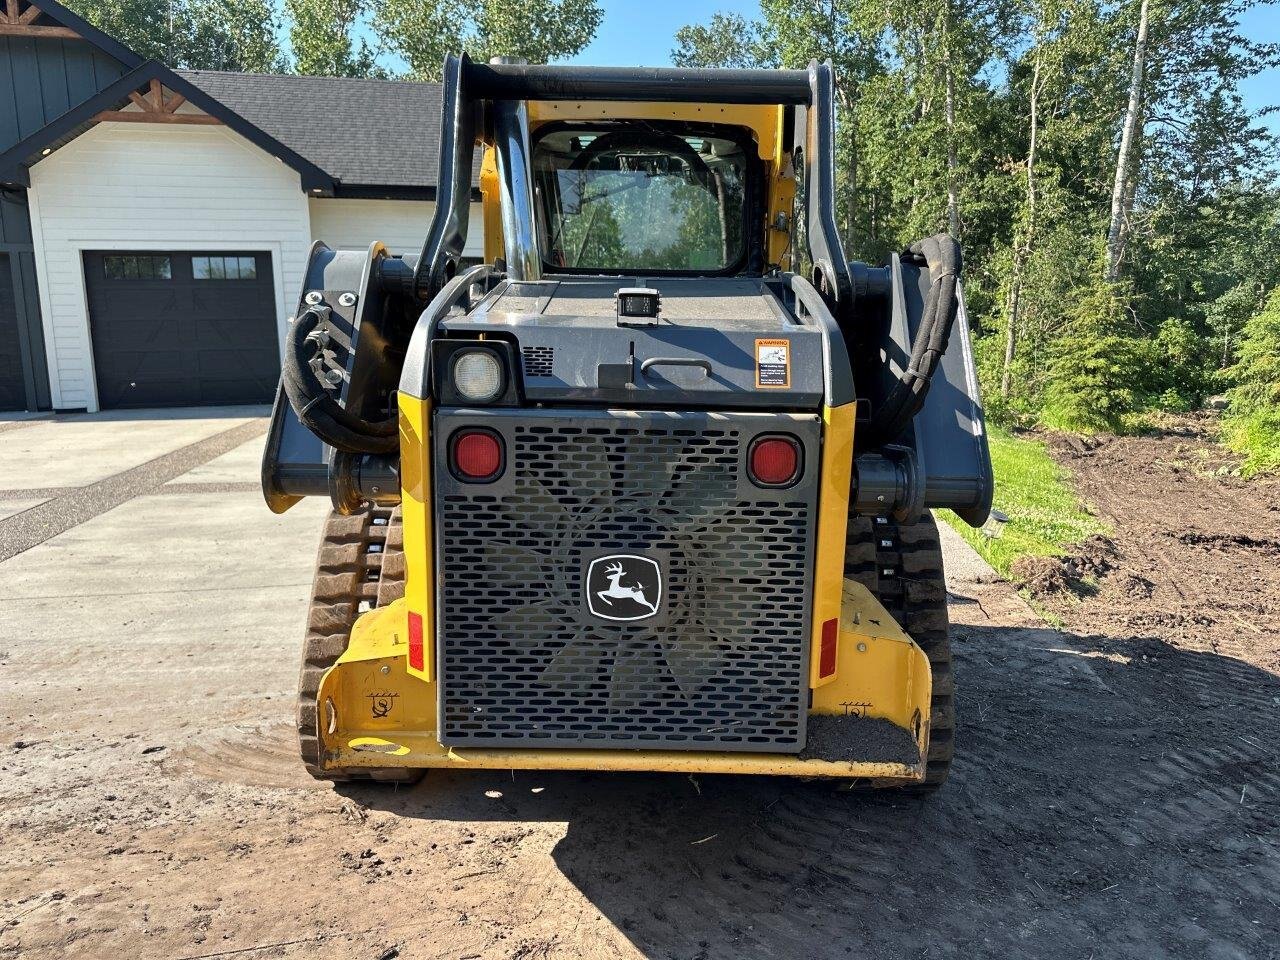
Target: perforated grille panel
524 658
538 361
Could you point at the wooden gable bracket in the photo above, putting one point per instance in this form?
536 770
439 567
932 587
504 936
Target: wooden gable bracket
16 22
157 105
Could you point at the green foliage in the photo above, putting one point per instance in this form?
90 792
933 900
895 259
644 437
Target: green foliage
1096 375
237 35
1257 435
333 37
728 40
321 36
1252 425
197 34
424 31
1256 374
999 120
1032 491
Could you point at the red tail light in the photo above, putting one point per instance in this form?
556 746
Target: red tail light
774 461
476 455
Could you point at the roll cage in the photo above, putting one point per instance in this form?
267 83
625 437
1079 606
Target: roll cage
487 102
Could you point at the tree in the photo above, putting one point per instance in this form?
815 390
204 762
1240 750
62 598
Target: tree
728 40
1189 59
238 35
1121 195
197 34
321 36
424 31
144 26
1253 421
1061 78
1113 193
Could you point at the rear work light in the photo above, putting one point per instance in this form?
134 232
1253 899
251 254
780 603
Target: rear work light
476 455
477 375
774 461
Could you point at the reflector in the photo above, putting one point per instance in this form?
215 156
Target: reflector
827 654
415 641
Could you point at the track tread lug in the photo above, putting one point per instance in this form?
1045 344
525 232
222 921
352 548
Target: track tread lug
905 573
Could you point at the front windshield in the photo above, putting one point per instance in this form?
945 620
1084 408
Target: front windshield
637 196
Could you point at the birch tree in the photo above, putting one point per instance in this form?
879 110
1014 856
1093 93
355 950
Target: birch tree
1122 191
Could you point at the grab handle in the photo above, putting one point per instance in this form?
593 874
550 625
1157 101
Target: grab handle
704 365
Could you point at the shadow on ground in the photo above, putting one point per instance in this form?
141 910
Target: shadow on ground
1111 798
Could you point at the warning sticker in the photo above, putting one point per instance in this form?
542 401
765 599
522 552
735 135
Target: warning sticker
773 363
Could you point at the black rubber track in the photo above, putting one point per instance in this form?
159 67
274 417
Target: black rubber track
360 565
901 564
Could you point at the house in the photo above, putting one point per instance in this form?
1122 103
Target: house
155 223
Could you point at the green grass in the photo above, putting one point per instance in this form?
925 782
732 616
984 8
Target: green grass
1257 436
1044 513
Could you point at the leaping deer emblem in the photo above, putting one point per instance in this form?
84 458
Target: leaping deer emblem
616 591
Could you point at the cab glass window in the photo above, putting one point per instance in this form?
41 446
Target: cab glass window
639 196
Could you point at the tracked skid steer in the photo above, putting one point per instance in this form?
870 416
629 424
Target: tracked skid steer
647 488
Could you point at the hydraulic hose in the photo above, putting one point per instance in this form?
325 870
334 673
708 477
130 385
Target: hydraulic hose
317 409
942 256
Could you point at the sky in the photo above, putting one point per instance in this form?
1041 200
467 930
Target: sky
639 33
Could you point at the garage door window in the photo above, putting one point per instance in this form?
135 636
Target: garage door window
224 268
132 267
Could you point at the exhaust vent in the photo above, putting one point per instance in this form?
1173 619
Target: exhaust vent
537 361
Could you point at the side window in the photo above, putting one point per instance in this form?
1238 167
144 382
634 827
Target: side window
135 267
224 268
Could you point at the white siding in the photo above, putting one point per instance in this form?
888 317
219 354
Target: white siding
152 186
400 224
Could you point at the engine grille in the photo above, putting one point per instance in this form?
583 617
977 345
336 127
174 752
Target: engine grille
523 660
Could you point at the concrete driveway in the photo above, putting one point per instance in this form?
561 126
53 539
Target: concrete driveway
140 539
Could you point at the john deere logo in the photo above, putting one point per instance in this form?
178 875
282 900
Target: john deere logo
624 587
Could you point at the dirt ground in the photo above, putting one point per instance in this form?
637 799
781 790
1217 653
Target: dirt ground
1116 794
1194 558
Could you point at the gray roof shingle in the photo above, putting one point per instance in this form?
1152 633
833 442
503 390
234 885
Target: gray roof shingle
369 133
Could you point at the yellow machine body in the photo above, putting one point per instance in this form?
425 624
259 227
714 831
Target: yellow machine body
377 709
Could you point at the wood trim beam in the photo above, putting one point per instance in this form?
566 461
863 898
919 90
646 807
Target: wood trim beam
29 30
28 15
157 106
130 116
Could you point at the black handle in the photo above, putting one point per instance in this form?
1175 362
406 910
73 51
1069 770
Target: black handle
704 365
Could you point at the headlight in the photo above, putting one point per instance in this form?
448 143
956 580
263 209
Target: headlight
477 375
